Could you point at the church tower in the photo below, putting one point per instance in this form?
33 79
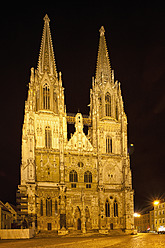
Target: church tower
108 135
83 183
44 133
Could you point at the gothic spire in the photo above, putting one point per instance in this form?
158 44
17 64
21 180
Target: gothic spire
103 68
46 61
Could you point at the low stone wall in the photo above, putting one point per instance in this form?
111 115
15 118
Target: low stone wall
16 233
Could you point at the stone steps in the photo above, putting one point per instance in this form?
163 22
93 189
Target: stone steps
49 234
46 234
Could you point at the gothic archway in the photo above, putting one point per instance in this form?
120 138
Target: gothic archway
78 224
77 217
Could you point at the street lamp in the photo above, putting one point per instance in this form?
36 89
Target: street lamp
155 203
136 215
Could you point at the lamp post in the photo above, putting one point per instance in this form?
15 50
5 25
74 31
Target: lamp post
155 203
136 215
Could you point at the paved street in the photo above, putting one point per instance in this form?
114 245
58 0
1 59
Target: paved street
127 241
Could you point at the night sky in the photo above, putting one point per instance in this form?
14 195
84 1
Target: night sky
135 35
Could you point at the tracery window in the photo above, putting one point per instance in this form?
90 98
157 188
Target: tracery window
115 205
107 208
46 96
56 207
48 207
48 140
108 104
73 176
87 177
108 144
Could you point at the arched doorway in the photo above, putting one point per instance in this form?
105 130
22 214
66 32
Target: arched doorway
78 224
111 226
77 217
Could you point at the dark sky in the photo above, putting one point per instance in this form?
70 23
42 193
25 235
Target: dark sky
135 34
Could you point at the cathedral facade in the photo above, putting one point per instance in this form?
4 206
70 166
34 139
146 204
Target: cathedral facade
83 183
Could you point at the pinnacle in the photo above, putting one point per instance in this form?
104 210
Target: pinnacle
102 31
46 18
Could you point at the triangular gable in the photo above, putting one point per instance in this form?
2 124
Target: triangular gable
79 140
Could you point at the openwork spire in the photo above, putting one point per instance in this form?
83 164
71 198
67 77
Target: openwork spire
46 61
103 68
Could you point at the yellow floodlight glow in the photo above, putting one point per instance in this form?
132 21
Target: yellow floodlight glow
156 202
136 215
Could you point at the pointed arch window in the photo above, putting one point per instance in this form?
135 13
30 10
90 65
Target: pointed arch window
107 208
73 176
108 104
46 96
87 177
48 139
56 207
108 144
115 205
48 207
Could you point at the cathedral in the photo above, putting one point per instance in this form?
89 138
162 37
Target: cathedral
82 183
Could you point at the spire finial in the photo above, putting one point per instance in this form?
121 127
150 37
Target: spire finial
46 18
102 31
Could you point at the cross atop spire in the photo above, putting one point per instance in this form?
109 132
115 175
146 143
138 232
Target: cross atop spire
103 68
46 61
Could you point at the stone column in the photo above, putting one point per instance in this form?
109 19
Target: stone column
83 215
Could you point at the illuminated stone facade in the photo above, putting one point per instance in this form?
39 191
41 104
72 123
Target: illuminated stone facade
83 183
